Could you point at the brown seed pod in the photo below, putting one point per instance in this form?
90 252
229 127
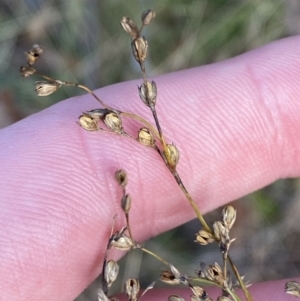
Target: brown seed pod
98 113
139 48
198 291
122 242
293 288
33 54
113 121
130 27
169 278
121 177
145 137
219 230
148 16
88 123
27 71
111 272
45 88
204 238
229 216
172 155
148 93
132 288
126 203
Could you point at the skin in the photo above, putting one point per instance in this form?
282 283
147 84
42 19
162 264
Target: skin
58 194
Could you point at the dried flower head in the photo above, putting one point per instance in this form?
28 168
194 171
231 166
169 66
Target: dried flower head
88 123
172 155
121 177
27 71
130 27
148 93
33 54
199 291
139 48
229 216
122 242
148 16
145 137
219 230
98 114
126 203
132 288
204 237
111 272
169 278
293 288
113 122
182 278
45 88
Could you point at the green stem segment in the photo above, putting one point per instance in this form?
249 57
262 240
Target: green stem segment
154 255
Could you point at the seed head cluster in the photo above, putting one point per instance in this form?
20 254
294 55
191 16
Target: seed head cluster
106 119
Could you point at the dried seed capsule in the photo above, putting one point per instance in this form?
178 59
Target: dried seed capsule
172 155
126 203
130 27
111 272
175 298
145 137
132 288
113 122
33 54
27 71
121 177
45 88
198 291
219 230
122 242
169 278
206 272
36 48
98 113
140 49
204 238
229 216
88 123
148 16
293 288
148 93
178 275
102 296
219 278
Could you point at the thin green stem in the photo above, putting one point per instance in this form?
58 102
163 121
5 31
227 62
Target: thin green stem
240 280
154 255
191 201
128 225
76 85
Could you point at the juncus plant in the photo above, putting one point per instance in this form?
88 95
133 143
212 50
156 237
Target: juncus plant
224 275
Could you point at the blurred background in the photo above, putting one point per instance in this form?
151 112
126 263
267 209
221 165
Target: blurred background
84 42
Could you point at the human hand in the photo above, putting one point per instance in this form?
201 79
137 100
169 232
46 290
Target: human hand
236 124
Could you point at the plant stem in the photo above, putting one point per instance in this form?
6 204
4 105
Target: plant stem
154 255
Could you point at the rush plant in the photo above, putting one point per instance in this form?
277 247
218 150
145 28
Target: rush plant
224 275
